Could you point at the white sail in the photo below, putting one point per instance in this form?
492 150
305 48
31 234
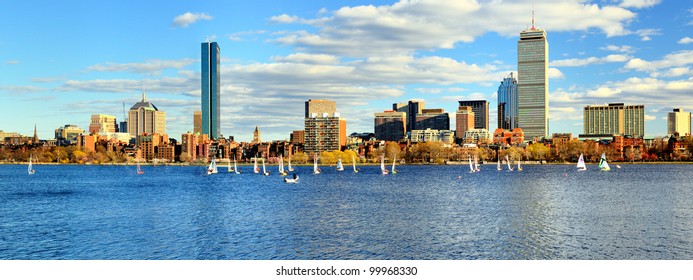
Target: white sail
519 167
394 171
581 164
476 164
228 166
316 170
281 166
507 161
382 166
471 166
603 165
212 169
340 167
353 160
255 168
499 165
264 171
290 168
235 168
30 168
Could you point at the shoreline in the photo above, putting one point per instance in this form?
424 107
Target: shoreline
359 164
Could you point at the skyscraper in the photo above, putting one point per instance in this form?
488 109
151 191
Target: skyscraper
480 108
325 130
507 103
679 121
533 82
413 108
197 122
319 107
436 119
144 117
390 125
614 118
101 123
211 89
464 121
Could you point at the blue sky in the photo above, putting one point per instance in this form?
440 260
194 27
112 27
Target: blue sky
62 61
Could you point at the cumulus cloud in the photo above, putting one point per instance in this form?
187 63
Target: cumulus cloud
575 62
645 34
407 26
554 73
189 18
623 49
639 4
284 18
686 40
676 59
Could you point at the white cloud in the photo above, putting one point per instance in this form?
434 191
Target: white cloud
151 66
650 118
306 58
189 18
686 40
639 4
22 89
646 33
12 62
238 36
284 18
407 26
623 49
554 73
575 62
676 59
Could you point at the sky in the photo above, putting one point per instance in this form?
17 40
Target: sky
62 61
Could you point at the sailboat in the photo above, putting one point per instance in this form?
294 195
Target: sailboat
507 161
228 166
316 170
256 170
235 168
30 168
581 164
382 166
291 180
394 171
471 166
499 165
519 167
290 169
603 165
212 169
340 167
354 164
264 171
139 169
476 164
281 167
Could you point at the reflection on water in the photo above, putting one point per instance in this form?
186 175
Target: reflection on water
423 212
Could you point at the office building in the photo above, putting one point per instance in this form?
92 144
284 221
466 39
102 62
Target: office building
436 119
325 130
390 125
480 109
507 103
412 108
298 137
679 122
197 122
614 119
101 123
464 121
144 117
211 90
533 83
432 135
67 135
477 135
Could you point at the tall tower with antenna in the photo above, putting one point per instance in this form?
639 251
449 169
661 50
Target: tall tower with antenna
533 82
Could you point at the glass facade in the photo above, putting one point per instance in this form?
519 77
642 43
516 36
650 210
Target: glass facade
507 103
480 108
211 89
533 83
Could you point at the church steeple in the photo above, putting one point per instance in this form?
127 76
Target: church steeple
256 135
35 140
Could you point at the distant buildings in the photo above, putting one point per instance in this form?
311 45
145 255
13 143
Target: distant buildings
412 108
101 123
679 122
68 135
507 103
464 121
614 119
533 83
432 135
508 137
480 109
390 125
436 119
211 89
298 137
256 135
144 117
477 135
325 130
197 122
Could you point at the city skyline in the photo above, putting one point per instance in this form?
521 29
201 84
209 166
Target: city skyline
93 57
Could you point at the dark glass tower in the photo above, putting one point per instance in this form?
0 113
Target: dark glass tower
210 89
507 103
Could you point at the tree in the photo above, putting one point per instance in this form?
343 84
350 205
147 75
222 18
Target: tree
185 157
392 150
537 151
300 157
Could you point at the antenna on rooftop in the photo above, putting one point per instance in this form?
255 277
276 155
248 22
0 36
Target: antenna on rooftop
533 15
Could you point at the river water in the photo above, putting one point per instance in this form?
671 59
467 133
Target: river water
423 212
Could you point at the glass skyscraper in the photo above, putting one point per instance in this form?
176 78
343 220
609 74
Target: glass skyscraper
533 83
210 89
507 103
